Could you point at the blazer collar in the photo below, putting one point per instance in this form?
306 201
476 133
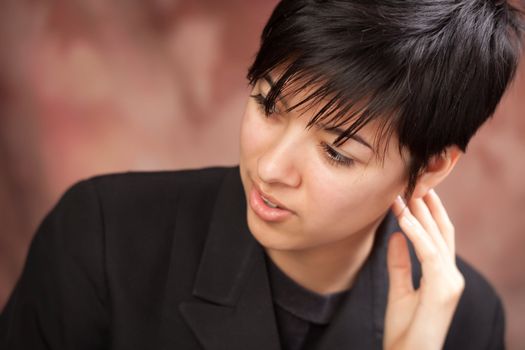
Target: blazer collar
233 307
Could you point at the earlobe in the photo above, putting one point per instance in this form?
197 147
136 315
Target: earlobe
438 168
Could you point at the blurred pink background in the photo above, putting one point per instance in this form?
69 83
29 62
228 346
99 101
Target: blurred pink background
90 87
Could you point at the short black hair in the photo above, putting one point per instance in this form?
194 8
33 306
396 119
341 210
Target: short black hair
430 71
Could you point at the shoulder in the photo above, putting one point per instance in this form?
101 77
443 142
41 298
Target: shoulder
142 210
127 213
129 227
141 198
133 186
479 320
110 206
126 194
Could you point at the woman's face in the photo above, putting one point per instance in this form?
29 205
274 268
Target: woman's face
331 193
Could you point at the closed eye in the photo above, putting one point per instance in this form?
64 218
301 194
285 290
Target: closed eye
334 157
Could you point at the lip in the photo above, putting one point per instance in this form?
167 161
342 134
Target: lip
270 198
265 212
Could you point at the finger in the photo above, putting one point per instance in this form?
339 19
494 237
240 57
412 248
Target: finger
443 221
398 207
425 247
399 267
423 215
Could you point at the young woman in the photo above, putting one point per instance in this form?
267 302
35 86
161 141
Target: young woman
358 110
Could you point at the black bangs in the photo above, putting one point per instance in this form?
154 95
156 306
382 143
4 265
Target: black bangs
310 48
336 108
430 72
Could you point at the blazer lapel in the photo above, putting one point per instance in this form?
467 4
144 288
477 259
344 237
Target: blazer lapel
232 306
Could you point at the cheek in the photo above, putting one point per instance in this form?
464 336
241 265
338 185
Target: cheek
327 204
360 199
252 137
337 188
337 202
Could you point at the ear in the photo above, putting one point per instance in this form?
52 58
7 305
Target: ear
436 171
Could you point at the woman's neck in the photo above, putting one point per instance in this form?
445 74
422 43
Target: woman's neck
329 268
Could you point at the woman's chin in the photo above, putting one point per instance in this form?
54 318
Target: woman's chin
272 238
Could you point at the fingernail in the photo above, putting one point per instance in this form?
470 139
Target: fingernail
400 201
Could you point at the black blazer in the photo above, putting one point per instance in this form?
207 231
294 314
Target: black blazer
165 261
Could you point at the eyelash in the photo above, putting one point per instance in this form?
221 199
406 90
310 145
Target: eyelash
334 157
261 102
331 155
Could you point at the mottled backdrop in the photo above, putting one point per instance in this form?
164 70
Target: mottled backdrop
89 87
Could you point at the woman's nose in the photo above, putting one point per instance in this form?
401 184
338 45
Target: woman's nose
280 163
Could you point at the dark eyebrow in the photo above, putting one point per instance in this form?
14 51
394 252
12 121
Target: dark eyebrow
338 131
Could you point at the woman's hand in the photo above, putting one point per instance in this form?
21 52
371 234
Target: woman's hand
420 319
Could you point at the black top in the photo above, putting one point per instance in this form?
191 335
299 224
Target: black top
301 314
166 261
